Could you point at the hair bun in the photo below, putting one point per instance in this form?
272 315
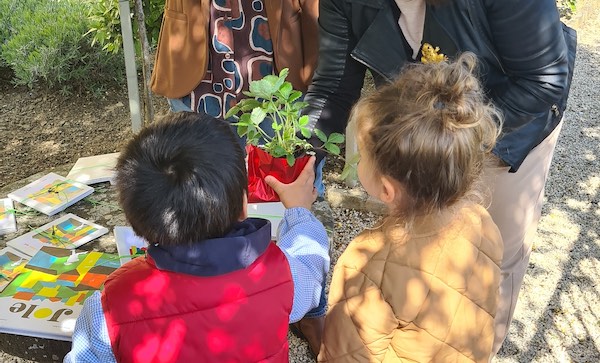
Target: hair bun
454 90
431 131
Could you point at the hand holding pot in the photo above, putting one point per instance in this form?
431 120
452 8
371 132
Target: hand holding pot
299 193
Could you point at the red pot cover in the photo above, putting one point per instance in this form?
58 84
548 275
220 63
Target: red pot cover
261 164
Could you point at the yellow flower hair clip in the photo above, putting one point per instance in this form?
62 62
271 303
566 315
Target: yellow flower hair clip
431 54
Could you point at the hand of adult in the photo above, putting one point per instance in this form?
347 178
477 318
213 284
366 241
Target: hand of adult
301 192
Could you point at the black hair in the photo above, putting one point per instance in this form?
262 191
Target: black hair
182 179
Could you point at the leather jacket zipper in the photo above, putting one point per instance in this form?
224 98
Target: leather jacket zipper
364 63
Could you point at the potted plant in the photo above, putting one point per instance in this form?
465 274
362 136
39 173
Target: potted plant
276 134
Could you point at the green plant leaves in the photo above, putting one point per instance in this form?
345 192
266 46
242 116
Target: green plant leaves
291 160
294 96
351 168
321 135
278 151
303 120
332 148
336 138
286 90
249 105
257 116
261 89
274 98
305 131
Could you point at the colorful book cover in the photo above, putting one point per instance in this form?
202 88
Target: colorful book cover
8 222
47 296
129 244
51 193
68 231
94 169
273 211
11 264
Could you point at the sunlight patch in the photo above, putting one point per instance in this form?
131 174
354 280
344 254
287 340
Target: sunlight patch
13 145
591 186
49 147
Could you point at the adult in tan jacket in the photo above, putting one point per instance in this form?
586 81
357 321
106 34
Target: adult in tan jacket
183 50
423 285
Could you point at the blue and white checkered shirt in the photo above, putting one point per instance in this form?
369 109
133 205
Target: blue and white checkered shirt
303 240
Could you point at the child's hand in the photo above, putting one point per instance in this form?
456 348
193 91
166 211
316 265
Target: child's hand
301 192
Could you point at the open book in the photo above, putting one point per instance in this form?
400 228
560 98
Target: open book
8 222
129 244
46 296
68 231
51 193
94 169
273 211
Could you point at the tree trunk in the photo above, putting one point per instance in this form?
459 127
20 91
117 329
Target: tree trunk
146 64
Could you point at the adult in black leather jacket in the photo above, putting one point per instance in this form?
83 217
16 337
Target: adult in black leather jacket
526 58
520 44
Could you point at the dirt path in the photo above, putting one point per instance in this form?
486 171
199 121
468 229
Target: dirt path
41 129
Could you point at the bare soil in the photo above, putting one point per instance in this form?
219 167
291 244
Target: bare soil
41 128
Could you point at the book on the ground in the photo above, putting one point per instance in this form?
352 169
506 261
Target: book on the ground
51 193
47 295
8 222
94 169
68 231
11 264
129 244
273 211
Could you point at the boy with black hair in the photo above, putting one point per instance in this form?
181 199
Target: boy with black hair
212 287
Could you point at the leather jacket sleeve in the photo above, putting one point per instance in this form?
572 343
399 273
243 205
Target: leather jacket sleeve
338 78
529 42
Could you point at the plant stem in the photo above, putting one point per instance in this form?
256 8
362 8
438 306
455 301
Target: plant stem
275 117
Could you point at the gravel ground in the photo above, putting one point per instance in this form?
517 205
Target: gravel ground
558 315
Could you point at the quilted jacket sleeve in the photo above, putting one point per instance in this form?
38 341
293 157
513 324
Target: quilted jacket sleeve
360 323
529 41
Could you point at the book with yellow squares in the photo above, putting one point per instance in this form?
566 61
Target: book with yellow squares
51 193
46 296
68 231
11 264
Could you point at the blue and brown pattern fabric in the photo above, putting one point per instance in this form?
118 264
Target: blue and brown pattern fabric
240 51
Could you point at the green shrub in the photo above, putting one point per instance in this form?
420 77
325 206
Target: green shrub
153 12
44 44
8 21
106 24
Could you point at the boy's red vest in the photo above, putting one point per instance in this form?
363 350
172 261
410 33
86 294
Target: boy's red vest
156 315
